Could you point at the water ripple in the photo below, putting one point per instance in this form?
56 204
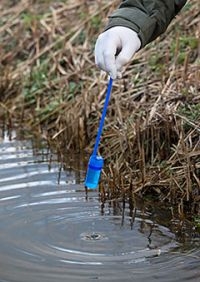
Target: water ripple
51 231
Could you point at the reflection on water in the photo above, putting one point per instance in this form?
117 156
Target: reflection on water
50 230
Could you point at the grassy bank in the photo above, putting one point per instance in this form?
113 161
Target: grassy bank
50 86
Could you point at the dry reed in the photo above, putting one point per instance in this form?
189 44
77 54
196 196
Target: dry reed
151 139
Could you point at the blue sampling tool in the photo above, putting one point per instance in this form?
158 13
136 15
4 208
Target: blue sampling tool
96 162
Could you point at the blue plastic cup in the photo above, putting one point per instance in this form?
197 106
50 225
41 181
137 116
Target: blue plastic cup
95 166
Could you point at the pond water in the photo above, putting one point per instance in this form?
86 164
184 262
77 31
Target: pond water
51 231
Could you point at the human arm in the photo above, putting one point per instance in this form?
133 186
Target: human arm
142 22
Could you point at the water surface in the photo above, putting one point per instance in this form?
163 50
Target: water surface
52 232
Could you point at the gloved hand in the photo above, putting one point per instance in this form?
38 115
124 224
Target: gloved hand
114 48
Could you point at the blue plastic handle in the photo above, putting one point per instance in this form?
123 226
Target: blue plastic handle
109 89
95 164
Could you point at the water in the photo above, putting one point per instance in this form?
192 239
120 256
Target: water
53 232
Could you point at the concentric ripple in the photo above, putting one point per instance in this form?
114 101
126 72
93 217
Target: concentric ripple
52 232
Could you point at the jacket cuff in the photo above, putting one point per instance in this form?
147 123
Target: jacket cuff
129 17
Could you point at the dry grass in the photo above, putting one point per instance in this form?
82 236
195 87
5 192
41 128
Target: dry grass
151 139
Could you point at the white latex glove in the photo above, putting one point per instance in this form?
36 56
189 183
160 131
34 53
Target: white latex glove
114 48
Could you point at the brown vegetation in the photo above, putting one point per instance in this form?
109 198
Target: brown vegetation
49 84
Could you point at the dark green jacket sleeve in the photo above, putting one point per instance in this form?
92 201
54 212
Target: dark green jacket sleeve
149 18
